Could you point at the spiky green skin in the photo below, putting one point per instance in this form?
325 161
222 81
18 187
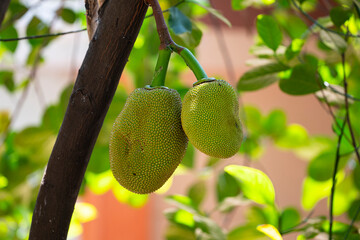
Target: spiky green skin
210 118
147 141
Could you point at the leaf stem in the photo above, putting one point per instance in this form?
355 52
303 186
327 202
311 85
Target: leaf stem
161 68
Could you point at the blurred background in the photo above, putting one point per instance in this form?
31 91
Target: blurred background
35 84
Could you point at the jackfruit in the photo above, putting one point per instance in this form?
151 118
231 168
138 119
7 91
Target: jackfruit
210 118
147 141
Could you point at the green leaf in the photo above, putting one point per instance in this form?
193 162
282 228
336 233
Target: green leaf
100 183
270 231
247 232
252 147
269 31
213 12
295 136
226 186
9 32
17 10
254 184
197 192
261 76
289 218
303 80
346 193
175 232
293 25
68 15
355 205
182 202
7 79
339 15
321 168
178 22
275 123
188 39
313 191
180 217
294 48
125 196
209 227
356 176
238 4
254 119
36 27
333 41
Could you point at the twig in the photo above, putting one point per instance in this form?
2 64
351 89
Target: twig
41 36
343 94
321 26
167 10
347 109
334 178
163 31
352 223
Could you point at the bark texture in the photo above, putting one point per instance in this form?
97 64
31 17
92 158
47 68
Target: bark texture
119 25
4 5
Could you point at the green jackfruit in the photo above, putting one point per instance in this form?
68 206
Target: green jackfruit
147 141
210 118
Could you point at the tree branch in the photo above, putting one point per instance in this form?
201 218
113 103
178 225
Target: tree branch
40 36
119 25
4 5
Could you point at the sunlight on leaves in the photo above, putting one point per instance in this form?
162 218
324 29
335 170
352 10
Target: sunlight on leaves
270 231
85 212
295 136
254 184
125 196
100 183
313 191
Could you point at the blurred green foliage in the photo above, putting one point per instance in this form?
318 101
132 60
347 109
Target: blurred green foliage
282 45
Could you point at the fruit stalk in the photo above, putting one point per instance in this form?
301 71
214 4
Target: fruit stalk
166 42
190 61
161 68
163 31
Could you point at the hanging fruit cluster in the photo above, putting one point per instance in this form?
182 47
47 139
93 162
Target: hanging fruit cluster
150 135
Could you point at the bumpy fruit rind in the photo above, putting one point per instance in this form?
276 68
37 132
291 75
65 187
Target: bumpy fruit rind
147 141
210 118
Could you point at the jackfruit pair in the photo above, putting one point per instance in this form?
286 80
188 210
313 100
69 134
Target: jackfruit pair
149 137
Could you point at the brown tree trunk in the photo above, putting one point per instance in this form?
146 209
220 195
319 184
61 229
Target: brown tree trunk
119 25
4 5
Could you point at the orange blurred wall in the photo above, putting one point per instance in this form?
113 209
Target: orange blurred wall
116 220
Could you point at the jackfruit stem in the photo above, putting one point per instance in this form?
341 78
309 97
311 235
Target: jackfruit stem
190 61
163 31
166 42
161 68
